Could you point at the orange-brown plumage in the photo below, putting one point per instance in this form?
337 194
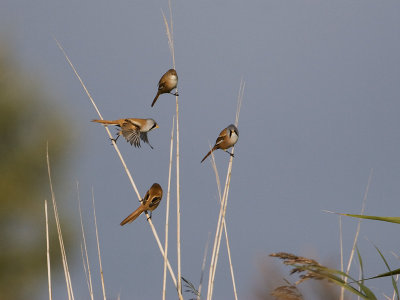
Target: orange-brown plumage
149 203
167 83
132 129
226 139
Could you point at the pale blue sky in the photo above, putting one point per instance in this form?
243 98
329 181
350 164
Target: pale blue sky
321 108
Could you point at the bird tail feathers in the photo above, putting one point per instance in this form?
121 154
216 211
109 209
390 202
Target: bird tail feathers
155 99
132 217
105 122
207 155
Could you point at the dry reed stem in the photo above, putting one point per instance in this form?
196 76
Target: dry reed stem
84 268
394 291
203 266
341 254
98 248
122 161
163 254
60 238
167 210
178 201
214 165
224 226
86 264
222 212
48 250
101 117
217 241
357 231
228 247
170 35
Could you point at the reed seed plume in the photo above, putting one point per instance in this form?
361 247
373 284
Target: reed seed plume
240 100
287 292
301 265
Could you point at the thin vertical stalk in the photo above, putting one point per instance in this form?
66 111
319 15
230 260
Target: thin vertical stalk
359 224
167 210
90 286
228 248
98 249
224 202
224 225
48 250
170 34
219 229
178 201
60 238
85 269
203 266
341 255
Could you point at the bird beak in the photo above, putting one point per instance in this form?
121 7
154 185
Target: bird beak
157 126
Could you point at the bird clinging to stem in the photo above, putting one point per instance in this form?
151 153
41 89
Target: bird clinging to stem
167 83
226 139
149 203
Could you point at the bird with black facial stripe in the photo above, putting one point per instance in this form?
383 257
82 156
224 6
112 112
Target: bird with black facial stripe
133 130
226 139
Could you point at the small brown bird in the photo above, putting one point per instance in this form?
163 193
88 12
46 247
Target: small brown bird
149 203
132 129
167 83
226 139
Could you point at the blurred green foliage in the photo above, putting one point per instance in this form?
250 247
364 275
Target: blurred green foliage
27 123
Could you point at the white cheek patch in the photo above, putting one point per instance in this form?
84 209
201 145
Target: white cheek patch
234 137
174 79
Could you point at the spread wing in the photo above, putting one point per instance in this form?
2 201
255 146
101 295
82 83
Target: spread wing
143 136
131 133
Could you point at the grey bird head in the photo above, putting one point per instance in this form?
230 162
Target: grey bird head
150 124
232 129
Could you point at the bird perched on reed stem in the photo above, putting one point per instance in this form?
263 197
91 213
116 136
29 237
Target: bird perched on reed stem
149 203
226 139
132 129
167 83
